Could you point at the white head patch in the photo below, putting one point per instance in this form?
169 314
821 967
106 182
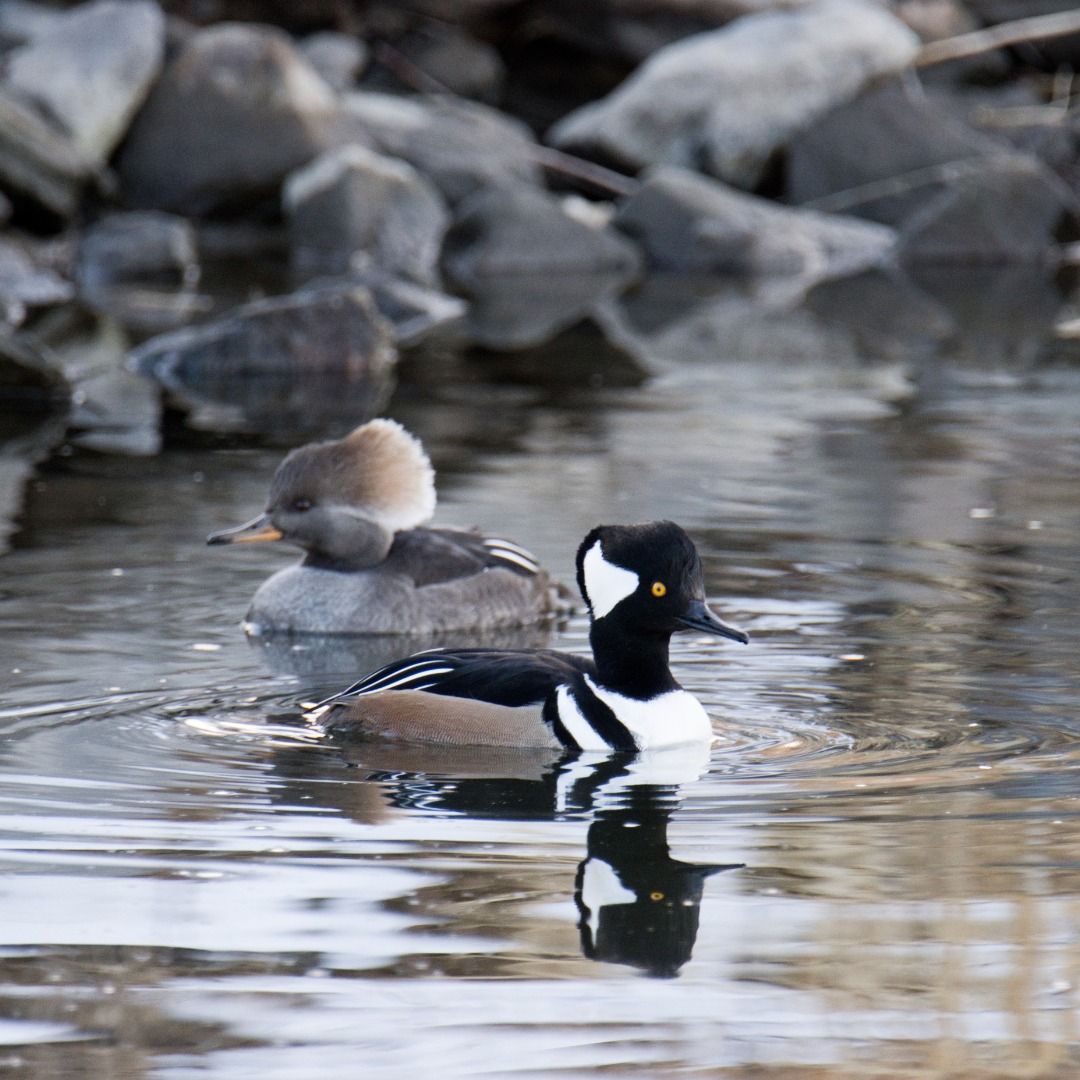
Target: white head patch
605 582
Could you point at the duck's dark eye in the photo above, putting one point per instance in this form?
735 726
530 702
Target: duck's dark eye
658 589
301 505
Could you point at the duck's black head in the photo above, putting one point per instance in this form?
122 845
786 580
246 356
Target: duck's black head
647 579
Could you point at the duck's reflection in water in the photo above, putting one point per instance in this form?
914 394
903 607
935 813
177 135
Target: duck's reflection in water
636 904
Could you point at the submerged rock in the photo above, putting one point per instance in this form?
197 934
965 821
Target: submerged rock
237 109
91 69
353 203
585 354
529 268
730 98
291 363
460 146
114 411
414 311
689 223
142 245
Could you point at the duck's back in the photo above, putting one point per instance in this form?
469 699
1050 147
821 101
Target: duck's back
432 580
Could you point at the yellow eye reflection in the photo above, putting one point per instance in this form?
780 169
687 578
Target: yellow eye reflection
659 589
656 896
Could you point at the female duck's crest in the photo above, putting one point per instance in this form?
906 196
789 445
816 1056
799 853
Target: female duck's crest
379 467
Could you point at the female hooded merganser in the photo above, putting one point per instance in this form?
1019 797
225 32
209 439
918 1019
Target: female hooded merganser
355 505
641 584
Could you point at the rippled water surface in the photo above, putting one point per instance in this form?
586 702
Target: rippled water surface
877 874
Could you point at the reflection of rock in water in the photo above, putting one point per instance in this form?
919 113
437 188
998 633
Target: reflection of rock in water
29 431
294 363
639 906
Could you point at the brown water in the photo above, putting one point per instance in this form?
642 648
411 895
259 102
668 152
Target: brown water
877 874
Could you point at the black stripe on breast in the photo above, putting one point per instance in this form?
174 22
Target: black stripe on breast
601 718
551 717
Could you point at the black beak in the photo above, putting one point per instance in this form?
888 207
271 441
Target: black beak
698 617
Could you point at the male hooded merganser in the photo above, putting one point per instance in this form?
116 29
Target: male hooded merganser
641 584
355 505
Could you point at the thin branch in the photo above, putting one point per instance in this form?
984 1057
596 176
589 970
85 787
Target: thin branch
599 177
1018 32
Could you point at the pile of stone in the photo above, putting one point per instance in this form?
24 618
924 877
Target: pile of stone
370 178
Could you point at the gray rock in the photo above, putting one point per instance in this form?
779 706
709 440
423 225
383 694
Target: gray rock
114 411
23 20
38 161
689 223
529 268
293 363
141 245
882 155
338 58
454 60
730 98
236 110
522 230
460 146
26 284
353 205
414 311
92 69
1005 209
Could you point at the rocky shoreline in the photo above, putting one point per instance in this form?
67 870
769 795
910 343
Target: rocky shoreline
500 174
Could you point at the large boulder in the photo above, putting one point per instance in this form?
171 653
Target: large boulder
460 146
288 364
92 69
689 223
237 109
529 268
882 154
730 98
353 204
1008 209
38 161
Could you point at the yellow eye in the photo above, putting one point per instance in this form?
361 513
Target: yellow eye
659 588
656 896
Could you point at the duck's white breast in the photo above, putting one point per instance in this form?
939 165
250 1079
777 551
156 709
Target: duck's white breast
665 720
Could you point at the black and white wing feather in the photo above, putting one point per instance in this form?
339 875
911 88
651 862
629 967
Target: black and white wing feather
511 677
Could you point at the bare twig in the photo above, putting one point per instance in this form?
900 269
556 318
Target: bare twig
403 69
597 176
840 202
1018 32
